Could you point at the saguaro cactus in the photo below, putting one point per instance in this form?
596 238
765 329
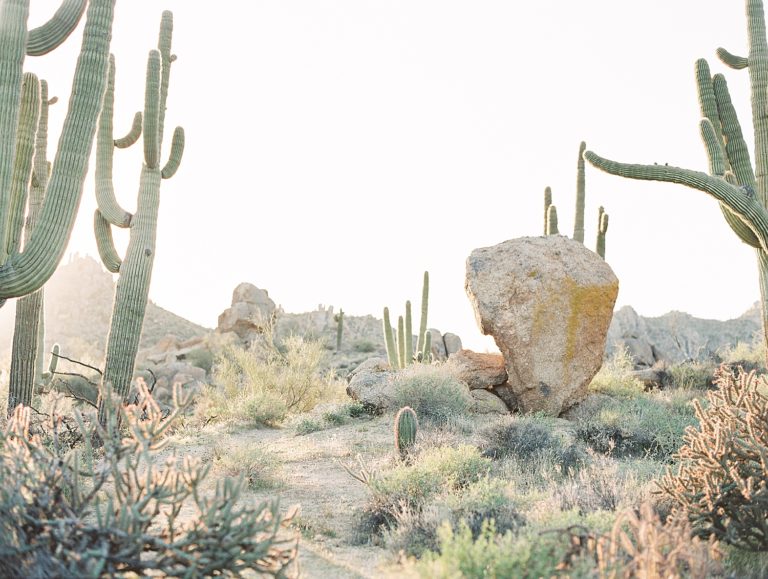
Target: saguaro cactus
400 350
23 272
29 329
741 190
135 269
550 210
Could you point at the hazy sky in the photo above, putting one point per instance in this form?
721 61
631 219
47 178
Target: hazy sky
337 149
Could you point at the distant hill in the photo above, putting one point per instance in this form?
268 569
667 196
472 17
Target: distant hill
78 309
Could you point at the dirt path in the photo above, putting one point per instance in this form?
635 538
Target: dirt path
312 477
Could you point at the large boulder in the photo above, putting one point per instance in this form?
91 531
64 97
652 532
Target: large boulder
371 384
547 302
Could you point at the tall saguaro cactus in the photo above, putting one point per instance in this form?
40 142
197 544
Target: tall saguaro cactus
135 269
578 223
48 194
741 190
24 271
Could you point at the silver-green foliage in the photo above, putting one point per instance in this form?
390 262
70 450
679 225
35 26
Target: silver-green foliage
65 514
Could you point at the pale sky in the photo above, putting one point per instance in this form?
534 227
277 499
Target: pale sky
337 149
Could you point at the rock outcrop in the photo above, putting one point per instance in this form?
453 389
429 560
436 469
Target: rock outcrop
547 302
251 314
676 336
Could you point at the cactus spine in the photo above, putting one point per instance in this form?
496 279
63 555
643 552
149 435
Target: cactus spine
23 272
406 427
602 228
741 190
339 318
135 270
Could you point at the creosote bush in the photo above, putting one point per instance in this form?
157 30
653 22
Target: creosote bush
722 477
262 386
432 391
615 376
117 509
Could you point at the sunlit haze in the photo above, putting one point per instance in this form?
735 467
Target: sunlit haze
337 149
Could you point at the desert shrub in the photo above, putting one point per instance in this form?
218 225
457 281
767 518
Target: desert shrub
494 555
363 346
640 545
615 377
691 375
264 386
201 358
528 438
258 468
114 512
649 425
722 478
432 391
412 486
748 355
603 485
485 499
333 415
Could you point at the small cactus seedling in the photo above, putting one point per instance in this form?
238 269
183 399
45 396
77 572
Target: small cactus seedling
406 427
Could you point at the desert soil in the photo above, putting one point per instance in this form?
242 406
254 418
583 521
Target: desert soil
311 477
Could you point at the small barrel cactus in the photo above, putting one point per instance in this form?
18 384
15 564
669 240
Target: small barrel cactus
406 426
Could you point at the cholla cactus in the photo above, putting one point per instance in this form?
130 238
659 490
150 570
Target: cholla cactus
131 294
63 514
722 479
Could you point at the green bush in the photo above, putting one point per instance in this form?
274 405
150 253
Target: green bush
491 555
412 486
432 391
691 375
528 438
201 358
363 346
650 425
615 377
259 469
263 387
63 513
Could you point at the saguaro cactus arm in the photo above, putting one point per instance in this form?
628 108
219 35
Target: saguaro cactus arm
744 206
578 227
105 145
24 272
105 244
53 33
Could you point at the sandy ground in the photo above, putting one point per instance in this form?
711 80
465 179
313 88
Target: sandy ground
312 477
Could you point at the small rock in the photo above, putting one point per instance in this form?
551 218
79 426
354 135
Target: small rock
478 371
486 402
